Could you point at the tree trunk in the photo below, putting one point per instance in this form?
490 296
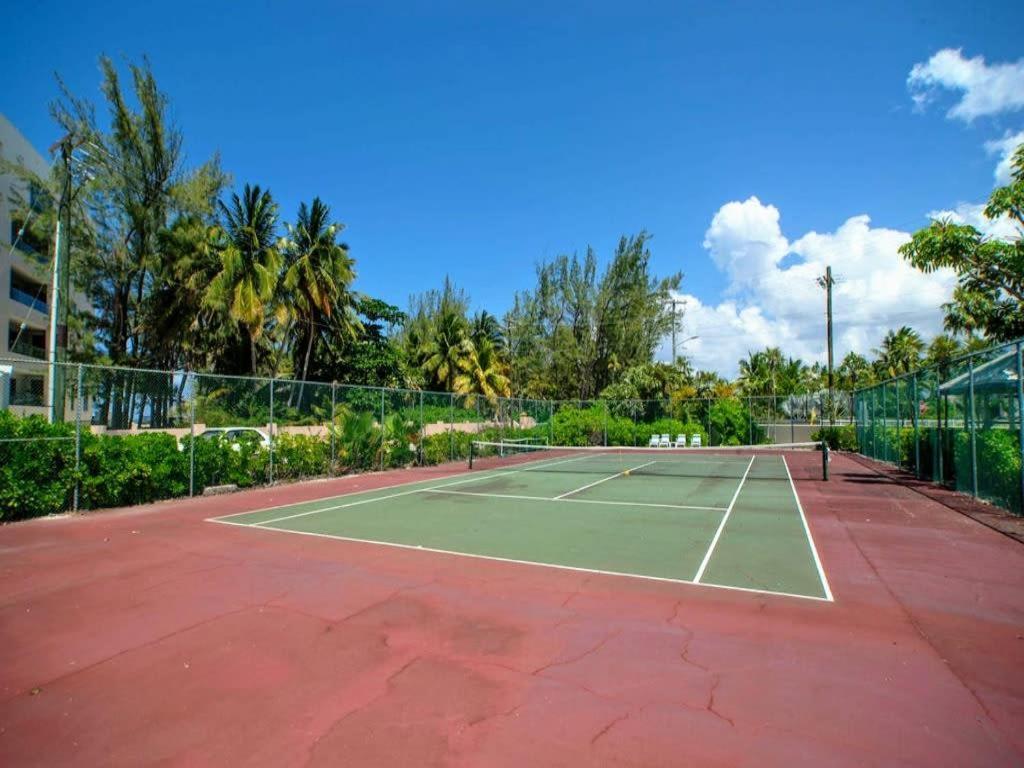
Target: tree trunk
305 363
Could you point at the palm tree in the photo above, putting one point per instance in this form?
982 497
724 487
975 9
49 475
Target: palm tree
446 350
483 371
250 264
762 372
942 349
900 352
854 372
319 275
485 326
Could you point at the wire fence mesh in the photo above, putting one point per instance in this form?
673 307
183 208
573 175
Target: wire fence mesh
958 424
119 436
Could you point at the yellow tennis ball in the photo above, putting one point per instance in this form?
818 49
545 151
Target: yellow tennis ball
626 473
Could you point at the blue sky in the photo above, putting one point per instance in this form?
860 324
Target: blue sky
476 139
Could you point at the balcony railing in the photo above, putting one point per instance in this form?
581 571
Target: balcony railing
23 297
22 347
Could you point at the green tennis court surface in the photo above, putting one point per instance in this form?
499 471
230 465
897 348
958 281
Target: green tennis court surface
725 519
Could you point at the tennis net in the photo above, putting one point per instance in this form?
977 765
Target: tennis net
778 461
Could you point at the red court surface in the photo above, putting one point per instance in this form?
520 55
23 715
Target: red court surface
149 637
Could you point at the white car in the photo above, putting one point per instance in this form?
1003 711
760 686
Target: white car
236 436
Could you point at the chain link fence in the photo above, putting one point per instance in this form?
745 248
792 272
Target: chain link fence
957 424
86 436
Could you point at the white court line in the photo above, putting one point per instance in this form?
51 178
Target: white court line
574 568
602 480
721 525
810 539
570 501
538 464
403 493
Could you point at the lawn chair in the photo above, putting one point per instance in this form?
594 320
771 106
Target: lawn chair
680 441
665 442
654 442
695 440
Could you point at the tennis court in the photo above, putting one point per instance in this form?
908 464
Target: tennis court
728 518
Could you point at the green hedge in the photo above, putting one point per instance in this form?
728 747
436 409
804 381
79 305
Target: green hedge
842 438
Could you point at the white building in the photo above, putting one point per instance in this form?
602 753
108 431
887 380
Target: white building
24 285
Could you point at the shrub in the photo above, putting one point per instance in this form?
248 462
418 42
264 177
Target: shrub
36 476
999 466
842 438
732 424
298 456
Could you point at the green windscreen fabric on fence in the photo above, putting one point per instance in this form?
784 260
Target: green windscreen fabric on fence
958 424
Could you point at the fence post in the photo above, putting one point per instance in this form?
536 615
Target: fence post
938 424
750 418
78 439
334 406
974 445
192 443
271 431
605 424
551 422
451 426
383 434
885 427
421 429
917 428
1020 423
899 428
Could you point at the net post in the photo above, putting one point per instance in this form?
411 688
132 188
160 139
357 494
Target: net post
1020 423
383 435
472 450
825 456
750 418
974 442
451 426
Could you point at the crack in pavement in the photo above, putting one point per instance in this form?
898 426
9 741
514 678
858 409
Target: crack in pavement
574 659
604 731
710 706
368 703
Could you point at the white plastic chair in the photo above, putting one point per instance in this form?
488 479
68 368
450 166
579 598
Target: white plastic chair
695 440
665 442
680 441
654 442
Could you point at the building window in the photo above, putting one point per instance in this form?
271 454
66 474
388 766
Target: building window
27 390
30 342
29 292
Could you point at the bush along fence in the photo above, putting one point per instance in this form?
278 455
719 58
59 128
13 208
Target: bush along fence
958 424
120 436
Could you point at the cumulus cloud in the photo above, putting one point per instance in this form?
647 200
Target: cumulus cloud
1005 148
986 89
974 214
773 298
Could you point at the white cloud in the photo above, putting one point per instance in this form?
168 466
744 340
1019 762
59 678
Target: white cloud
974 214
1004 147
986 89
775 303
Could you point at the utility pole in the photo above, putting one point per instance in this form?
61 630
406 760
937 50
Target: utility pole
57 343
674 332
827 282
